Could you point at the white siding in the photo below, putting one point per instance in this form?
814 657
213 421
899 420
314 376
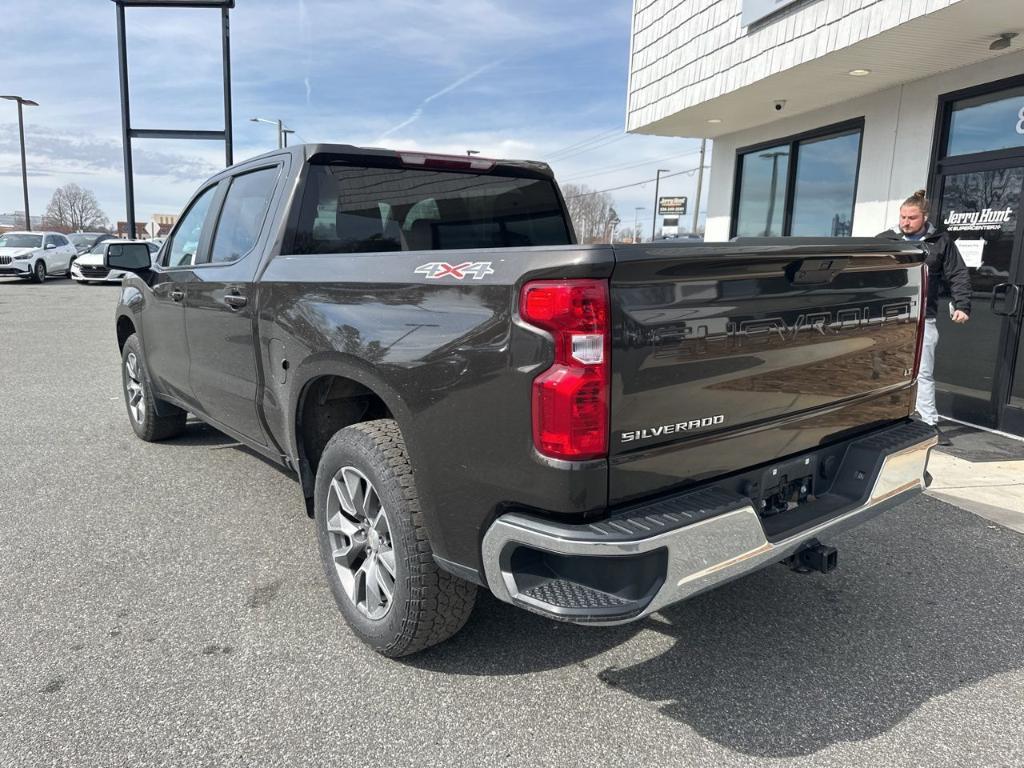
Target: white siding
898 127
685 52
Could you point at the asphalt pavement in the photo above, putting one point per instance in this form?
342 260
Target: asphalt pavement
163 604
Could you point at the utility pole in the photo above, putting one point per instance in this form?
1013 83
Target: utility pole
700 181
654 219
24 169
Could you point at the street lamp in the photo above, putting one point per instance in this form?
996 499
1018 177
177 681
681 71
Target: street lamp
657 183
21 134
636 222
471 152
282 140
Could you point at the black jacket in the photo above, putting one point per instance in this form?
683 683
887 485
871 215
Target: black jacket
944 265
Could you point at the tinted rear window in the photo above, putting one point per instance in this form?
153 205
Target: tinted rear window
349 209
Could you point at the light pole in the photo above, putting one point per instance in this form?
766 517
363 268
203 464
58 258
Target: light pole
282 141
636 223
471 152
21 135
657 183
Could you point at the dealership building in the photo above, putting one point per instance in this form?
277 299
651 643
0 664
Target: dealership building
827 114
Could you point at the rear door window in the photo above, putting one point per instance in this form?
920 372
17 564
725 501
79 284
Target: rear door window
353 209
243 213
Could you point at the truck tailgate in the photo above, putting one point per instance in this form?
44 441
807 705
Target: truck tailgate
732 355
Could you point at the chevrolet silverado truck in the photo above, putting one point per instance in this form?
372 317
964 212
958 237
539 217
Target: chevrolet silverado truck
470 398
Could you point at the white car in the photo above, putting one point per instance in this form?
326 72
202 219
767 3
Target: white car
88 268
35 255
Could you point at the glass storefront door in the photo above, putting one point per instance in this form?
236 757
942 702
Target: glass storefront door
979 373
978 183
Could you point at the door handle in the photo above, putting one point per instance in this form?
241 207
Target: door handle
177 294
235 301
997 291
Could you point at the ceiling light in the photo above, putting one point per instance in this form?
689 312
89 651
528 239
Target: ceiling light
859 72
1003 42
714 120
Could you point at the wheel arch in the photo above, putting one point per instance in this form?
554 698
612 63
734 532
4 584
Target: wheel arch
125 328
330 393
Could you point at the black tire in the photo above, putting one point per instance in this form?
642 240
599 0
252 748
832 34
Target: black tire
146 423
39 271
428 605
67 272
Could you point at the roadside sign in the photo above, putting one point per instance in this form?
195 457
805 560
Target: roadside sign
671 206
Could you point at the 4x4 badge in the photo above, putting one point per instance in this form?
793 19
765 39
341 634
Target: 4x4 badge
435 270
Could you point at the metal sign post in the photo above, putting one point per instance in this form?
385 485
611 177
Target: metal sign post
128 133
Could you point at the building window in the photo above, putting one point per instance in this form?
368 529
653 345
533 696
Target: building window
762 200
987 123
805 185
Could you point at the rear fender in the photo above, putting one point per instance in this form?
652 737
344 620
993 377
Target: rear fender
345 366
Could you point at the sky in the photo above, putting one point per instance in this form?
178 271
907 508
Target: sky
524 79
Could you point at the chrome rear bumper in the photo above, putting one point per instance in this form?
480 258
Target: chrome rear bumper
624 568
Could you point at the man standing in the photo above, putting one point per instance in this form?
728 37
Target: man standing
944 264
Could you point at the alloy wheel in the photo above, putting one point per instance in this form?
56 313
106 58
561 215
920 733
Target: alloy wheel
361 542
133 388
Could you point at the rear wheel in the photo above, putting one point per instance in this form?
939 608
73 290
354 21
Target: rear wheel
374 547
142 404
67 272
39 271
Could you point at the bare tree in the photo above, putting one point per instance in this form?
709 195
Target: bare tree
593 213
74 209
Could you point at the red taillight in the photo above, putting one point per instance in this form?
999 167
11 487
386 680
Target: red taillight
570 399
921 319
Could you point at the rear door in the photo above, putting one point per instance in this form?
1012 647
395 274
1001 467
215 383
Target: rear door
220 308
729 356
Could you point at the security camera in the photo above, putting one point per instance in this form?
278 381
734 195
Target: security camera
780 105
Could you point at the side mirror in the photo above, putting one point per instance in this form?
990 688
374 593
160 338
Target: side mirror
50 246
130 257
